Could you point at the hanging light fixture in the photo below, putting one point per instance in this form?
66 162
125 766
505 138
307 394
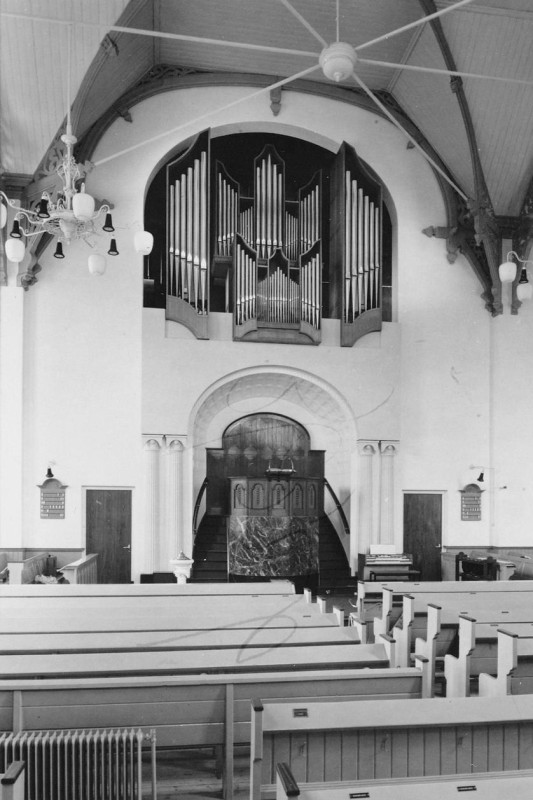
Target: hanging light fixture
71 216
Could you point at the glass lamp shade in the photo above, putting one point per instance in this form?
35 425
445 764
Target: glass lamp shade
524 291
3 215
507 271
97 264
143 242
83 206
337 61
15 250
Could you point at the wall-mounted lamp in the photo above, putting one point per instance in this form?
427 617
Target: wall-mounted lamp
470 476
507 272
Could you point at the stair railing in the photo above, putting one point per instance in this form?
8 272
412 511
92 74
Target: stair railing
338 506
203 487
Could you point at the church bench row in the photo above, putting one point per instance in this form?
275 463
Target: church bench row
487 786
378 739
123 641
45 591
414 621
464 601
187 662
514 666
188 711
386 598
175 613
478 652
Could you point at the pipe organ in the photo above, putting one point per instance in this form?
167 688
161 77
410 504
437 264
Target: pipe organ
355 252
265 245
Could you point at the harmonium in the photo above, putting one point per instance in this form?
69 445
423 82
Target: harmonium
386 566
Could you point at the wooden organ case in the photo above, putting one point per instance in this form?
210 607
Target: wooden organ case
265 249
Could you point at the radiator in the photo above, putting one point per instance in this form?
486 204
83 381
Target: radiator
79 765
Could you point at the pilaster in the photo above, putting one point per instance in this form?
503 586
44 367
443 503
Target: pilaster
388 451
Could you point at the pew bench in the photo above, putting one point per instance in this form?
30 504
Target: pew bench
189 710
514 666
339 740
477 653
412 622
12 782
488 786
282 587
510 594
189 662
4 569
137 641
25 570
93 613
82 571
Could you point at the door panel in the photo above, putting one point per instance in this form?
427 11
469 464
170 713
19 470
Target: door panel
422 533
108 533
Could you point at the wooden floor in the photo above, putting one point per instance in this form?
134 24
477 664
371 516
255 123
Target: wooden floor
190 775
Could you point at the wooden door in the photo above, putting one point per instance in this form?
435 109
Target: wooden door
422 532
108 533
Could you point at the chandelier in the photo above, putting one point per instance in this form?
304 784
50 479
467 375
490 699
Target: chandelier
72 216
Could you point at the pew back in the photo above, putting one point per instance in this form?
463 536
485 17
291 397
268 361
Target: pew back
188 711
339 741
489 786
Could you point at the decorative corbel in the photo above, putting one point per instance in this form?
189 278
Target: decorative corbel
275 100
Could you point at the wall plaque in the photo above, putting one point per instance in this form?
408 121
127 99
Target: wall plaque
471 503
52 499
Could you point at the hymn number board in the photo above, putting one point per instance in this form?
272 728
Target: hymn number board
52 499
471 503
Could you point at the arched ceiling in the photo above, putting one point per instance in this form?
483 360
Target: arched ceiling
278 39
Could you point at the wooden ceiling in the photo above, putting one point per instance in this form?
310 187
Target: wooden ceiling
276 39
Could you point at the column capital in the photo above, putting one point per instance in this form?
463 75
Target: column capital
153 441
388 447
175 442
367 447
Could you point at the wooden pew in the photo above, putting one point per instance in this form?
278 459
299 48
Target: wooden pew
190 662
189 710
25 570
487 786
393 593
137 641
82 571
282 587
379 739
478 653
161 613
515 666
12 782
413 622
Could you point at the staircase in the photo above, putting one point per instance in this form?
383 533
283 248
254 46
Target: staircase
210 555
210 551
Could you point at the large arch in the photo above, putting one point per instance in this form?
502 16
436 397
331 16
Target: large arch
301 395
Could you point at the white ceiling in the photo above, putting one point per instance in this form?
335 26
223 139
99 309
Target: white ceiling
485 37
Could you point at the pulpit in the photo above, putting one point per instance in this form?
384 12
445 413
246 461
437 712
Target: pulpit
273 525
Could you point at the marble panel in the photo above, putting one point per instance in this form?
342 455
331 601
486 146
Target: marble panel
273 546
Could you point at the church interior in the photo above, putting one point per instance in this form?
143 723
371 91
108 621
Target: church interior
266 293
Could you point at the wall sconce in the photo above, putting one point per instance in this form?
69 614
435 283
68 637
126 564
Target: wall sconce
469 478
507 273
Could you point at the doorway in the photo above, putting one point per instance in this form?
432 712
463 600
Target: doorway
108 532
422 532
